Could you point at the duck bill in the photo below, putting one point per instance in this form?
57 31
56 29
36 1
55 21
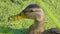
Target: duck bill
18 17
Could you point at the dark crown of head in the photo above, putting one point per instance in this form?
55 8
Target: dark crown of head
33 6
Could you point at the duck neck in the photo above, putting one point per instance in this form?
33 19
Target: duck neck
39 23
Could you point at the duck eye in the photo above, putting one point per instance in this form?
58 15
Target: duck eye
31 11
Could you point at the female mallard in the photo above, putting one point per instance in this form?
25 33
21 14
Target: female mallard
33 11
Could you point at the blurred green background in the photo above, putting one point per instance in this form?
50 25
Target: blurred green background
13 7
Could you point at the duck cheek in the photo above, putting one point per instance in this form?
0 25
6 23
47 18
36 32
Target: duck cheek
29 16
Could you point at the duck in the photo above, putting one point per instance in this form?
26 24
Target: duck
35 12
